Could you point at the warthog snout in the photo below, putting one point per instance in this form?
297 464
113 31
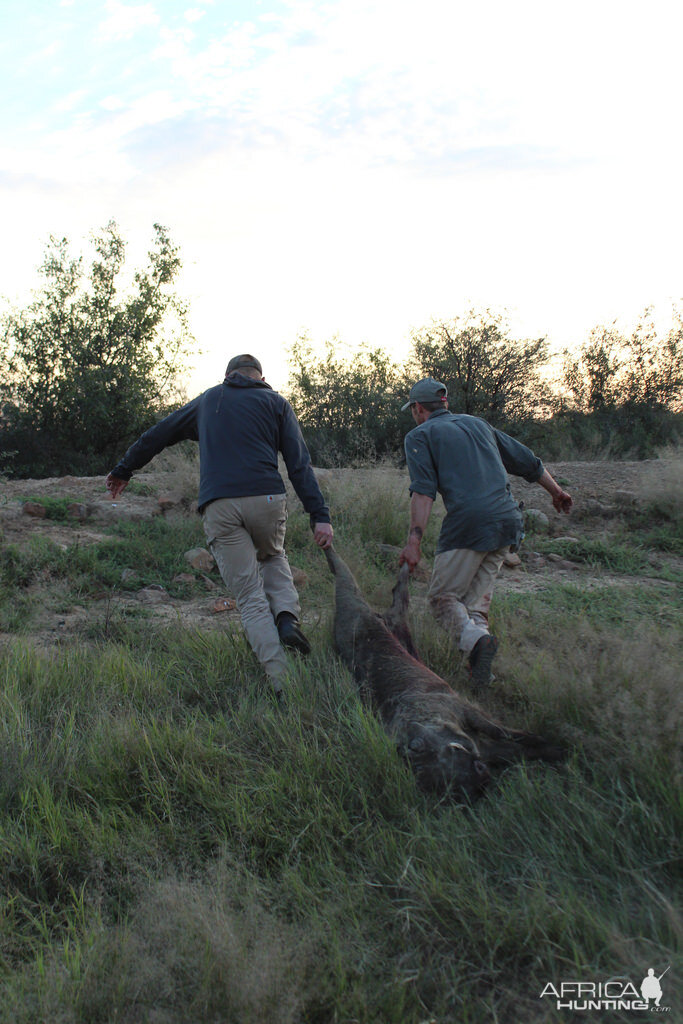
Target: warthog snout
445 761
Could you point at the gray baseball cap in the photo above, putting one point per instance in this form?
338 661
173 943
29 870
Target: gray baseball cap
426 390
243 361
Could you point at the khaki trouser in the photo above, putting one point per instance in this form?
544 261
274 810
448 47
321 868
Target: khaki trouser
461 589
246 537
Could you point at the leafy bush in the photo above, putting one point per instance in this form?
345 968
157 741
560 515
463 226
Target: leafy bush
349 408
86 370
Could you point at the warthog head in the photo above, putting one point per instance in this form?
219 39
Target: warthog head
445 761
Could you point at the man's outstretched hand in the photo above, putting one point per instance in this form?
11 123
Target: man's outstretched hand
411 554
323 534
115 485
563 502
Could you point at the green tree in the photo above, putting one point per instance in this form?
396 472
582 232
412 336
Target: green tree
613 370
88 366
624 391
487 372
592 377
347 403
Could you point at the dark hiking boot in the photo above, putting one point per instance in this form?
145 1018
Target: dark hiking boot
290 633
481 659
278 695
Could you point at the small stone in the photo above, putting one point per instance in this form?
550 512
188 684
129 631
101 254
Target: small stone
153 594
299 576
127 575
512 560
224 604
591 507
561 563
166 502
200 558
567 540
35 509
184 577
77 510
625 497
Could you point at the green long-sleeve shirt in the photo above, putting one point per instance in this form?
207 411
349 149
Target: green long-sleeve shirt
466 461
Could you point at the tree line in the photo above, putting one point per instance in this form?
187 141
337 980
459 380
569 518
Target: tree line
619 396
92 362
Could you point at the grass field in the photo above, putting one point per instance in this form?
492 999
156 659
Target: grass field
175 847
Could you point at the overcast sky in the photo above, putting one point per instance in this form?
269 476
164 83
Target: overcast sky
354 167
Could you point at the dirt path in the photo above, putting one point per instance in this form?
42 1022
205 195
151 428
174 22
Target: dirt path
601 492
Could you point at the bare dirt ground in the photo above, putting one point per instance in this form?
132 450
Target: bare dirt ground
602 491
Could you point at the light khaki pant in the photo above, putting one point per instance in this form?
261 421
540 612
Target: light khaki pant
461 589
246 536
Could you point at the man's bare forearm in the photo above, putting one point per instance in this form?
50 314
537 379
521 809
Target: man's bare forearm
560 498
420 509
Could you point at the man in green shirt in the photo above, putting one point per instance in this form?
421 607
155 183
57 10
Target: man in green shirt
466 461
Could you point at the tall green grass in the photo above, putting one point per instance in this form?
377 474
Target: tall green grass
176 847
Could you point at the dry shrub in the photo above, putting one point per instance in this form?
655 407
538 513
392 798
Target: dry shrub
624 693
373 501
176 471
661 486
190 952
191 955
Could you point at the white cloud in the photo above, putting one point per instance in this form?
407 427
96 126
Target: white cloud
358 166
124 20
47 51
112 103
402 88
174 43
70 101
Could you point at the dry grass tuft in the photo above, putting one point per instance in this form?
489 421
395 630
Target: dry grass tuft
661 485
618 696
176 471
190 951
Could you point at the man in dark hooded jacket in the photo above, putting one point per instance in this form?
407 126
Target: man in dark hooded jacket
241 425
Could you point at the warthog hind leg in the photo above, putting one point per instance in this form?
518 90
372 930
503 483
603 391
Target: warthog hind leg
396 617
499 745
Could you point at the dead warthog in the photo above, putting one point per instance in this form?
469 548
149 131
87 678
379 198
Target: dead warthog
448 742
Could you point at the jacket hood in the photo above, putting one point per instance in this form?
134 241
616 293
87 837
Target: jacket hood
239 380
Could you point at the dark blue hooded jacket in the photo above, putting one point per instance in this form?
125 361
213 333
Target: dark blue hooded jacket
240 425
